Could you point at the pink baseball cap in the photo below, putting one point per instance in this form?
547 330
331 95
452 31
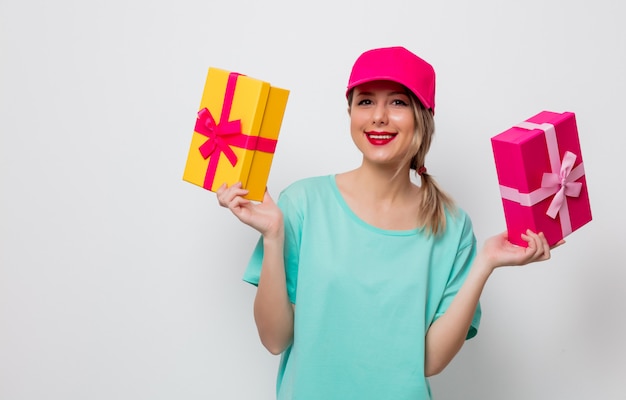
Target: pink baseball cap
396 64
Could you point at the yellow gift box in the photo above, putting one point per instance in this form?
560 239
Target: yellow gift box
236 132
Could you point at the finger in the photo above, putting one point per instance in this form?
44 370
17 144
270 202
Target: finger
237 203
221 189
530 237
535 248
227 195
557 244
543 250
545 246
220 193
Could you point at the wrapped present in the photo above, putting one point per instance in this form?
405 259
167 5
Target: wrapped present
542 178
236 132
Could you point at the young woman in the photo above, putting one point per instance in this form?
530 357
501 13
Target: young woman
368 283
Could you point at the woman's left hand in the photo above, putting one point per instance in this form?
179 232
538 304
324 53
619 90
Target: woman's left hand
498 251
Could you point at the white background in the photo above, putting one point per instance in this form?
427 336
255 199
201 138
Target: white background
118 280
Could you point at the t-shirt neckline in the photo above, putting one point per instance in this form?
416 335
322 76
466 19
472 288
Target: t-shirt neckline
344 205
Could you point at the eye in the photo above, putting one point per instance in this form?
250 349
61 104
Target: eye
364 102
400 102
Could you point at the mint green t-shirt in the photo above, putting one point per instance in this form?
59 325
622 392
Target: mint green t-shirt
364 297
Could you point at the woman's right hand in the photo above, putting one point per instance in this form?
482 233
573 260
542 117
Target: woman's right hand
265 217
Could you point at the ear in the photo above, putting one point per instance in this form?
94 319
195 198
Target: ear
349 110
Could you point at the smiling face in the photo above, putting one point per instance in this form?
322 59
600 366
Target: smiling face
382 123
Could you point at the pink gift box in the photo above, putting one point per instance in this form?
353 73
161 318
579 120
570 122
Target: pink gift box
542 178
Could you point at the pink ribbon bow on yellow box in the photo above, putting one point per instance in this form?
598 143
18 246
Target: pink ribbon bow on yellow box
239 147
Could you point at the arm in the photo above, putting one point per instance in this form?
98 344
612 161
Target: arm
273 311
446 335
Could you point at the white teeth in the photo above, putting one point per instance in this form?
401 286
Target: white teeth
381 137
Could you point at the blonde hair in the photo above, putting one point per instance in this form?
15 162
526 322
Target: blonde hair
434 201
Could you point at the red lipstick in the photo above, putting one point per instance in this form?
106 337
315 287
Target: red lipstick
379 138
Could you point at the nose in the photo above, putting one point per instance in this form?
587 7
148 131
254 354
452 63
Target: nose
379 114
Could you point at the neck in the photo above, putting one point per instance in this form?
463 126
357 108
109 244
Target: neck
385 185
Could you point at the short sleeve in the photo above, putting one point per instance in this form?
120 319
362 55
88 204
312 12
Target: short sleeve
293 227
462 264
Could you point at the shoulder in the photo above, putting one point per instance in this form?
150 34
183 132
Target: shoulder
459 226
305 193
458 217
307 186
